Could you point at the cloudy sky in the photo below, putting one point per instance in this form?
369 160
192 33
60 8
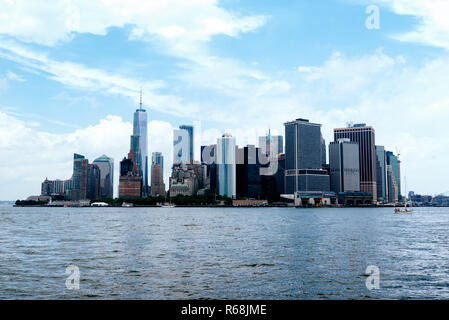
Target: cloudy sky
71 72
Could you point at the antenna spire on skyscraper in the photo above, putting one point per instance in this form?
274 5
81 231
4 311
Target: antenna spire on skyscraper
141 98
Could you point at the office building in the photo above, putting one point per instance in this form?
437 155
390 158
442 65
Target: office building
140 127
93 182
226 166
187 179
80 178
269 142
365 137
248 177
135 147
381 168
106 166
303 158
190 132
157 182
181 147
395 183
209 160
323 153
130 183
158 158
344 166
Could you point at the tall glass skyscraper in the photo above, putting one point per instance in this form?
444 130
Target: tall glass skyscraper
189 129
140 128
135 147
303 151
106 166
344 166
80 177
226 166
381 164
365 136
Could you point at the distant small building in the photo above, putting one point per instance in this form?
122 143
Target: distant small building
187 179
249 203
355 198
39 198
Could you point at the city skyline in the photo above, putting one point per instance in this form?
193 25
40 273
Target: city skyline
61 93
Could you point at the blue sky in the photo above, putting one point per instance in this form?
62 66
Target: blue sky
71 72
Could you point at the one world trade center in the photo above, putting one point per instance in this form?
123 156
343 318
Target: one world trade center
140 130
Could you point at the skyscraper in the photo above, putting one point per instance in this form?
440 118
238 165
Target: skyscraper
181 147
93 182
190 131
209 159
344 166
381 168
226 166
365 137
80 178
158 158
135 147
140 127
269 141
394 163
303 164
130 184
157 183
248 177
106 166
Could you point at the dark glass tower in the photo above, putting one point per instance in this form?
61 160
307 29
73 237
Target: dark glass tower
304 156
365 137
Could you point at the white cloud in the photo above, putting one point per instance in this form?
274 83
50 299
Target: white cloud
433 24
95 80
3 84
38 154
186 23
14 77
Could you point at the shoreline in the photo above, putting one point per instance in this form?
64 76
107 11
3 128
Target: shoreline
221 207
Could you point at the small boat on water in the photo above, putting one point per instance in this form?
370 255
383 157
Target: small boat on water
127 205
404 210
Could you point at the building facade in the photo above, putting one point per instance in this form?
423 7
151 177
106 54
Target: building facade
303 158
381 167
80 178
344 166
157 181
186 179
365 137
106 166
209 160
226 162
269 142
181 147
190 132
158 158
248 177
395 184
130 184
140 127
